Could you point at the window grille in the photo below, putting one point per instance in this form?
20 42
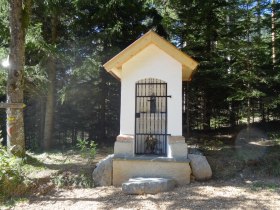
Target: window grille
151 117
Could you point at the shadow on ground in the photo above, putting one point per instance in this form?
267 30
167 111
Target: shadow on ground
208 195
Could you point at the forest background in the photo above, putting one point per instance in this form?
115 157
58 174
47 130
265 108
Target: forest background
69 95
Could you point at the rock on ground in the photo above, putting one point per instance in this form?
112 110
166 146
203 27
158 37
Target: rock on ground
103 173
138 186
200 167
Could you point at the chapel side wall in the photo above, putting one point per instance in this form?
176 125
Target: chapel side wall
152 62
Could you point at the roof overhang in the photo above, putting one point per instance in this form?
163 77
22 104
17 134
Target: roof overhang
114 66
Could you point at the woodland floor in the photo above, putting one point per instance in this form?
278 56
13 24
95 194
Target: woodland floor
238 182
233 194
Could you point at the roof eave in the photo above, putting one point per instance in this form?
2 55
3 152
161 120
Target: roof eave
114 65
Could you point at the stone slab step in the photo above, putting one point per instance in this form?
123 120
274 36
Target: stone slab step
140 185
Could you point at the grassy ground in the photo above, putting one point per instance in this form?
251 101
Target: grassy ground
43 172
70 164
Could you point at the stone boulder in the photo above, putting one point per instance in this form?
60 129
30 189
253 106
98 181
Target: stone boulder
140 185
200 167
103 173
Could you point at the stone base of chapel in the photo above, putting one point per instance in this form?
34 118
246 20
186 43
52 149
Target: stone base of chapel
127 165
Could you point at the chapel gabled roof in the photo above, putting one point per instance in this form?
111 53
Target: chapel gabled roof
114 66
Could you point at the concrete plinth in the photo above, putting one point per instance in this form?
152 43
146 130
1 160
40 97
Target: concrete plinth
177 148
124 145
125 168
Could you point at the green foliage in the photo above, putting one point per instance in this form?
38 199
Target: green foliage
68 179
256 186
3 79
88 148
4 34
230 39
11 178
4 28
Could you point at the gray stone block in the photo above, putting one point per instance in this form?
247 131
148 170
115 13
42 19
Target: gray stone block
103 173
200 167
140 185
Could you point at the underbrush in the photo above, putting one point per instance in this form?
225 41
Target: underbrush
88 149
253 157
40 172
69 179
263 185
269 164
12 181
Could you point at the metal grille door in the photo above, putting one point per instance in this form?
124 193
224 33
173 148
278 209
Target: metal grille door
151 117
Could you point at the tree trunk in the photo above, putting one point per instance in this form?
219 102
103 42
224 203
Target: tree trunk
248 68
50 103
248 111
232 115
262 110
15 123
103 107
188 109
253 110
206 113
273 32
42 104
259 16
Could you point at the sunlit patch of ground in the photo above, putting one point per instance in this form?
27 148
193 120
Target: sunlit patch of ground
235 194
50 163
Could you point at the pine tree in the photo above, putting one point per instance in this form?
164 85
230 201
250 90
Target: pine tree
18 16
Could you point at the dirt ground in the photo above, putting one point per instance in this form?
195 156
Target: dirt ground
233 194
232 187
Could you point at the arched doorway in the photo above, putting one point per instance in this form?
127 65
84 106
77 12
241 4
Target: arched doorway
151 117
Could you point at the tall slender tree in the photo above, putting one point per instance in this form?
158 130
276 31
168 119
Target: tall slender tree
50 101
19 15
273 34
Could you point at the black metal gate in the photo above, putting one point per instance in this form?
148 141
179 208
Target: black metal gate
151 117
